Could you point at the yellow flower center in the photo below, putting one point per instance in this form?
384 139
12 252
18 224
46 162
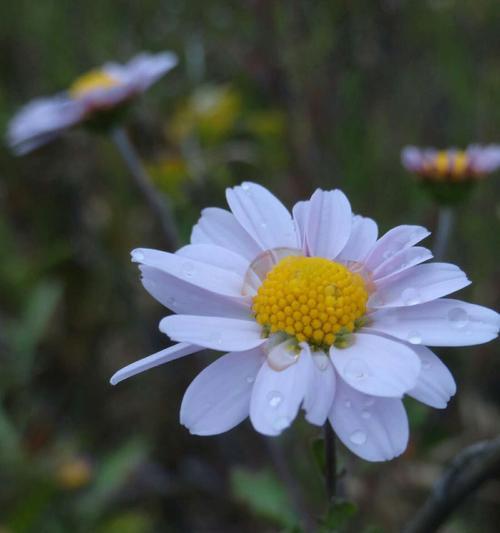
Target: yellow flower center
312 299
95 79
453 165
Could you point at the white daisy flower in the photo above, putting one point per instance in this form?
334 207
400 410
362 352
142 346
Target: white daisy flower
92 96
314 311
452 165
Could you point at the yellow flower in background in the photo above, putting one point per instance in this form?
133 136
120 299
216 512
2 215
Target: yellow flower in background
74 473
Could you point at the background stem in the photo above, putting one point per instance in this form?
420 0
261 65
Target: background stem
446 219
156 201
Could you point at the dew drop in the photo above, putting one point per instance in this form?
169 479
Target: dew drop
358 437
458 317
387 254
215 337
356 369
281 423
348 404
414 337
250 379
263 225
366 414
410 296
274 399
188 269
369 402
279 358
171 301
245 187
426 364
321 361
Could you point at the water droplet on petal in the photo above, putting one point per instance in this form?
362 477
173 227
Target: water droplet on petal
348 404
358 437
281 423
215 337
369 402
458 317
414 337
263 225
171 301
387 254
410 296
274 399
366 414
137 256
245 187
250 379
280 358
426 364
188 269
356 369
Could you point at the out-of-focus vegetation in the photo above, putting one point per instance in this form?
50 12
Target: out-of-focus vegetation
294 95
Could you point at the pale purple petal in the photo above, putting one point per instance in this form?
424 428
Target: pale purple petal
223 334
419 284
262 215
219 397
411 158
329 223
300 214
443 322
400 262
377 365
200 274
216 256
435 385
151 361
392 242
362 239
375 429
320 389
277 395
187 299
220 227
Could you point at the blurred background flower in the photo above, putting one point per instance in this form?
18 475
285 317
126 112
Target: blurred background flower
314 94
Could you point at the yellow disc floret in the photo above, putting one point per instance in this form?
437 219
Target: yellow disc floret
95 79
312 299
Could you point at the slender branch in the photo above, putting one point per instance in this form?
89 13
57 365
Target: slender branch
292 487
330 462
472 467
446 219
156 201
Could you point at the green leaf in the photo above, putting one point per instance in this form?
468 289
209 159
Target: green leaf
318 452
337 515
129 522
264 494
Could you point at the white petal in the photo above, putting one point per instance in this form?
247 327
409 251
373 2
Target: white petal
435 385
393 242
375 429
443 322
300 213
262 215
376 365
187 299
329 223
320 386
158 358
400 262
216 256
363 237
224 334
220 227
419 284
200 274
219 397
277 395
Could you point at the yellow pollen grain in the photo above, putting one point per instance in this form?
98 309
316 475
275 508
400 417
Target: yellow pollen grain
311 299
95 79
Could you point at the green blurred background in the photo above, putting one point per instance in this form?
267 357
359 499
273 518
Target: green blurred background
294 95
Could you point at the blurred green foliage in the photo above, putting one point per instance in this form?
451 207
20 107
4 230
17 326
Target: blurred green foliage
294 95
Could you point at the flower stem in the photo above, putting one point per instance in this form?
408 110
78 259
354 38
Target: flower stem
446 218
156 201
330 462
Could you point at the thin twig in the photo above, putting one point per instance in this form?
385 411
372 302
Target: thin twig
292 487
158 203
472 467
330 462
446 218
